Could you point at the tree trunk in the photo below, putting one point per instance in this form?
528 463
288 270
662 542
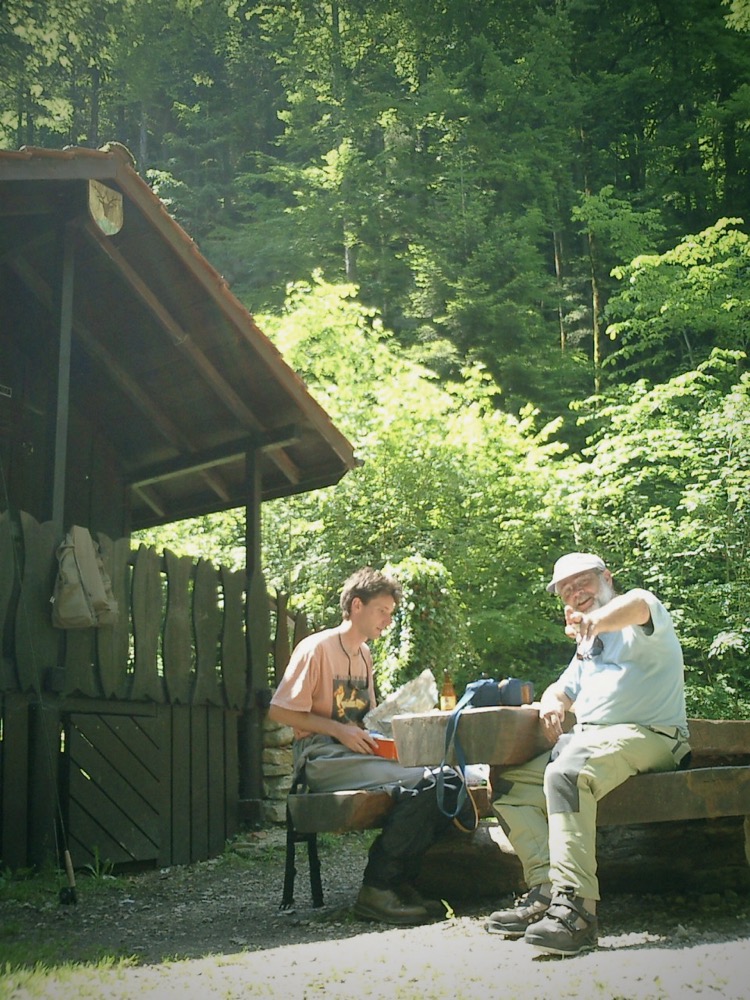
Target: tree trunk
596 307
142 142
700 855
94 116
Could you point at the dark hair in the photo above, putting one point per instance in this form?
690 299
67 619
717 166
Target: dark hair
365 584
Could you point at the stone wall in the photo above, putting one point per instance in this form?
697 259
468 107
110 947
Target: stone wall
277 770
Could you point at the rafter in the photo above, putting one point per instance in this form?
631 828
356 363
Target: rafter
183 341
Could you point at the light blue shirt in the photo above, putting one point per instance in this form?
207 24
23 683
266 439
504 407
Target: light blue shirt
638 677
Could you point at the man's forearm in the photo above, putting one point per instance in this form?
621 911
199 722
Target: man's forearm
307 721
625 609
352 736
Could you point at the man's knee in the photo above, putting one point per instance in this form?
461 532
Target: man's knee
562 778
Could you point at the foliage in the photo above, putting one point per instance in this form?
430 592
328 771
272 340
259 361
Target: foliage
445 477
667 490
219 538
100 868
429 628
675 308
477 171
476 189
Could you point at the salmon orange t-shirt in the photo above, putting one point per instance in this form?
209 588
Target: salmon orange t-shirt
322 678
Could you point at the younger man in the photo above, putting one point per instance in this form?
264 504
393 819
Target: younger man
325 693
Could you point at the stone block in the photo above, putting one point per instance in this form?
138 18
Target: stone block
276 787
278 736
278 757
273 811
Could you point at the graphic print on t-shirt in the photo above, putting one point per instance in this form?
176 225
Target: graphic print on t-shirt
351 699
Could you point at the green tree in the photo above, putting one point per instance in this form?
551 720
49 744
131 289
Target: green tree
429 629
665 494
445 477
675 308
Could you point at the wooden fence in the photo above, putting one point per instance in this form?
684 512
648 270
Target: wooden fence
131 743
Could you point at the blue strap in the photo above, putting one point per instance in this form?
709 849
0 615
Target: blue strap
451 738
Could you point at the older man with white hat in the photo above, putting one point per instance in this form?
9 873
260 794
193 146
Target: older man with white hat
625 684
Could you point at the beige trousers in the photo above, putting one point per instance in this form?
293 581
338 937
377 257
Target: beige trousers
548 806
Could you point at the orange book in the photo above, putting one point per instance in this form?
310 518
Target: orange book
386 747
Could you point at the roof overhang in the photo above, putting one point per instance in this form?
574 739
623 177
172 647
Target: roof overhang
165 358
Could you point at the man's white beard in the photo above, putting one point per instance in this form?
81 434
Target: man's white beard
604 594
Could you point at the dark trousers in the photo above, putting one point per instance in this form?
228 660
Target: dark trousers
414 823
412 826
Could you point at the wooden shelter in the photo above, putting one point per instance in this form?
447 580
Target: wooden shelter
170 384
135 390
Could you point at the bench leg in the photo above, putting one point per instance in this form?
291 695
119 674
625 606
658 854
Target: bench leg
316 886
287 898
290 867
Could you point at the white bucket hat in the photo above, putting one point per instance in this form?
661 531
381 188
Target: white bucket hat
571 565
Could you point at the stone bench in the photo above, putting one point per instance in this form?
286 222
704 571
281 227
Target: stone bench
717 783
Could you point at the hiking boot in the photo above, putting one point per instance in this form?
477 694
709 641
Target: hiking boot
436 909
385 906
514 922
567 928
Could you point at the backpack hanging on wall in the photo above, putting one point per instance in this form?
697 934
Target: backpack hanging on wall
82 596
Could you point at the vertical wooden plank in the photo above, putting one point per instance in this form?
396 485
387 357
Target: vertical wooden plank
80 652
215 792
37 642
14 781
179 782
233 652
231 776
44 786
112 642
207 625
199 782
165 775
9 579
178 647
147 617
65 345
281 649
257 633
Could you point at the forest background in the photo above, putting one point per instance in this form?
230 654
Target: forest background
505 243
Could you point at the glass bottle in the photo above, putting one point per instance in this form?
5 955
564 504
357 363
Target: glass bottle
447 694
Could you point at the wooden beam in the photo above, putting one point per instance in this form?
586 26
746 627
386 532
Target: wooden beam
62 409
719 737
504 735
698 793
338 812
257 632
212 457
29 204
152 500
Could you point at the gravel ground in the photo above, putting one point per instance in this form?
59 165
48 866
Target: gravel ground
215 930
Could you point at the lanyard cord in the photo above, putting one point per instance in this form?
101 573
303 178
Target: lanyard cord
349 659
